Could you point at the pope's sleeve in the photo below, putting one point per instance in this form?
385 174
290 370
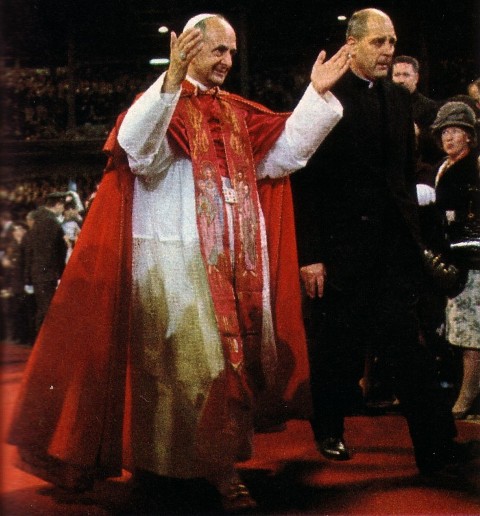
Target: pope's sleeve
306 128
142 134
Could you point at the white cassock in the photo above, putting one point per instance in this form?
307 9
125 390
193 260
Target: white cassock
176 347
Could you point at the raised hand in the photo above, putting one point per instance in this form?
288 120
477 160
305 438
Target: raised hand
326 73
182 50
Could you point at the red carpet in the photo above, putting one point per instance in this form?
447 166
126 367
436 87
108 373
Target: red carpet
287 476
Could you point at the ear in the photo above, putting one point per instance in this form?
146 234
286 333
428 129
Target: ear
351 45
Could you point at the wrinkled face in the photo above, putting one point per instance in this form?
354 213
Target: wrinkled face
372 53
212 64
405 74
455 141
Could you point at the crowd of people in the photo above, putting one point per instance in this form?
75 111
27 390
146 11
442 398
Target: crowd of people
177 272
35 100
21 205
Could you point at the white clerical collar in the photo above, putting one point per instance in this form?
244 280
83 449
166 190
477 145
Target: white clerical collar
371 84
199 85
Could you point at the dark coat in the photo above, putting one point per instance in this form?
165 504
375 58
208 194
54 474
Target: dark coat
360 181
424 110
13 275
454 187
458 190
45 249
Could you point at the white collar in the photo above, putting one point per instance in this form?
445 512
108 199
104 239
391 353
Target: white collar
199 85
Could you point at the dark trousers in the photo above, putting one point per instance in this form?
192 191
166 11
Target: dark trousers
19 318
44 293
378 313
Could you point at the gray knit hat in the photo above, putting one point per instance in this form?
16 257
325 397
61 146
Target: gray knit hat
454 113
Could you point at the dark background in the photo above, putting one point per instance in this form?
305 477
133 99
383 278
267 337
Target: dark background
275 36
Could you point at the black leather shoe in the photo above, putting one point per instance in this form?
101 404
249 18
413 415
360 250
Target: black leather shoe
453 457
464 452
333 448
450 476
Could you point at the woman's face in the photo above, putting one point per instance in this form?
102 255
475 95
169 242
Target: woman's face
455 141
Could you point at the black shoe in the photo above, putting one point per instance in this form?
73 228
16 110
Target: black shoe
447 477
454 477
452 459
333 448
464 452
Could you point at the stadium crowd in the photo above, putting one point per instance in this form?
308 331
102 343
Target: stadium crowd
36 100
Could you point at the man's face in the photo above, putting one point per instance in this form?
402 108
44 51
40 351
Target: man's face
212 64
405 74
372 53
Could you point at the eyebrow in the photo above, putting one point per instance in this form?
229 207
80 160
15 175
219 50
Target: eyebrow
224 48
382 39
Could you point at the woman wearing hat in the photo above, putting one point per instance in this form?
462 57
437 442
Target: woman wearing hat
457 188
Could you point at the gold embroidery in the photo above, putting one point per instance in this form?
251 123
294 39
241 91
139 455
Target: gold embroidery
200 141
236 142
236 288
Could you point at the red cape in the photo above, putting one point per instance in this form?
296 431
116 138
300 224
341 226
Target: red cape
72 415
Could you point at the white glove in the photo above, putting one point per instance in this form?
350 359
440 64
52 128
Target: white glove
425 195
28 289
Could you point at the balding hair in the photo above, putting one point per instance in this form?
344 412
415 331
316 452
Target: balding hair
358 24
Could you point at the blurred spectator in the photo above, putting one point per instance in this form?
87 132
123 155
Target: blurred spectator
474 92
71 226
73 198
90 199
6 223
15 303
405 71
45 254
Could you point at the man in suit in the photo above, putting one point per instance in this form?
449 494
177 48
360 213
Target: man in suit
360 254
406 71
45 253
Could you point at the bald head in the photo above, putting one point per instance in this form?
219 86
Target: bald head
371 40
358 23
